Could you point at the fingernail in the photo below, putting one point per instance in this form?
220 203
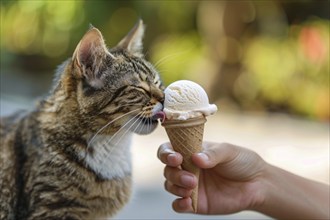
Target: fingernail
170 151
187 180
171 158
182 204
203 156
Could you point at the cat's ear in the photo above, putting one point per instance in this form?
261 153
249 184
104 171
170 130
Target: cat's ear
89 56
132 42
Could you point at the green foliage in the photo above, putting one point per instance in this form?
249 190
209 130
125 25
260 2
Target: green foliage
39 27
175 55
284 66
293 71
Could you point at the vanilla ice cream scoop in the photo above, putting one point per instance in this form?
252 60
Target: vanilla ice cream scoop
185 99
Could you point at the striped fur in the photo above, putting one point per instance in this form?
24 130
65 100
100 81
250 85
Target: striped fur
69 158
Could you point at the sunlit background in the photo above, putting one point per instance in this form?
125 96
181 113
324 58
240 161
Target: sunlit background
264 63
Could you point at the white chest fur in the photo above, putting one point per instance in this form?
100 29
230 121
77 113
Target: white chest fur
110 159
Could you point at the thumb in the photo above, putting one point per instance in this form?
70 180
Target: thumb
214 154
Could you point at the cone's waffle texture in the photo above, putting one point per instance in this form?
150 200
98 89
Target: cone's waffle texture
186 137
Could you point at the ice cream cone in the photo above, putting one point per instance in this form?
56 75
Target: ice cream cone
186 137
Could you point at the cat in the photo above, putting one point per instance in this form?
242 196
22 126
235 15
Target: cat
69 158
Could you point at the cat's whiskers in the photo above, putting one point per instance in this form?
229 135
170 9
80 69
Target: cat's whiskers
148 124
109 123
107 159
123 131
164 70
136 118
139 125
142 121
102 147
168 58
120 130
144 113
142 117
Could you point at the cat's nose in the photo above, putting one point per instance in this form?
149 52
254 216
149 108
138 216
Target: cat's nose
157 107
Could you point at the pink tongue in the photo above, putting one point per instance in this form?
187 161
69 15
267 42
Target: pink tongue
160 115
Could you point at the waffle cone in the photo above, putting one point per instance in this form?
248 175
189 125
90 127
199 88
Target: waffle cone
186 137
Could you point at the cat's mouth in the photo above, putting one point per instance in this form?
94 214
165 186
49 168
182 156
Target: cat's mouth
148 124
159 116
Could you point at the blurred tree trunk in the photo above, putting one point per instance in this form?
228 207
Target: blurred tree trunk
223 25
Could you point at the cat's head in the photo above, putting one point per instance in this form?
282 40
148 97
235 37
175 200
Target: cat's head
115 87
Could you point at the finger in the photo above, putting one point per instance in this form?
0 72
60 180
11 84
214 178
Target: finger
183 205
177 190
168 156
180 177
214 154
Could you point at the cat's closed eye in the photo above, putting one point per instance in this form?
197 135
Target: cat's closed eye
120 81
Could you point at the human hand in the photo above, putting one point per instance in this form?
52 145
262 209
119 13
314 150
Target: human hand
228 181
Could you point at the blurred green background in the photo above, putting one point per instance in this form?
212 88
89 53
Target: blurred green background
253 58
265 56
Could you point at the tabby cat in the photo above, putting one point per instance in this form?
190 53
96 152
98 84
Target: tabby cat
69 158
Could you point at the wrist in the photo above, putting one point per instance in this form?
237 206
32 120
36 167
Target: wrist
265 188
275 193
268 189
286 195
